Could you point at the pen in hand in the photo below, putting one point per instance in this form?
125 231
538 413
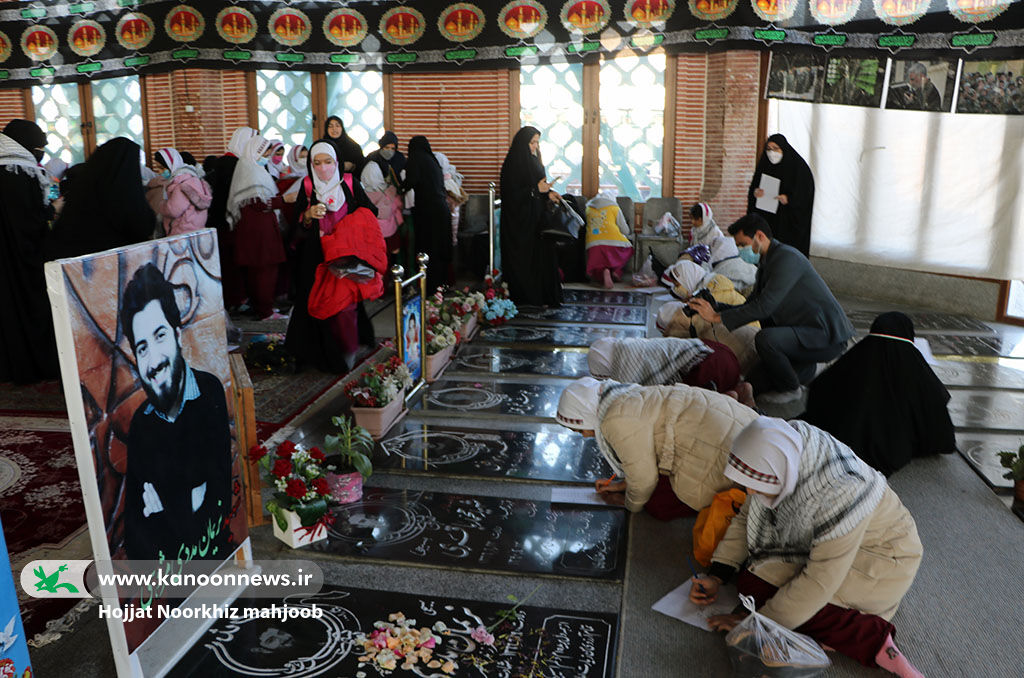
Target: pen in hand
696 576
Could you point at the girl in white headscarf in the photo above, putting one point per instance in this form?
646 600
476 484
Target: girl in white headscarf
384 196
276 165
251 206
645 432
829 550
181 199
648 362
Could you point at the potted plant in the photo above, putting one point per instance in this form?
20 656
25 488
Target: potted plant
378 395
300 505
1014 461
468 306
348 461
441 336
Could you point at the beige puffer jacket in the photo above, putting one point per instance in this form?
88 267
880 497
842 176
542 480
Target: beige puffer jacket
679 431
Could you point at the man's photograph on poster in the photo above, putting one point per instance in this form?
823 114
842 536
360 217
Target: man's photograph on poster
854 82
921 85
992 87
412 322
147 324
797 75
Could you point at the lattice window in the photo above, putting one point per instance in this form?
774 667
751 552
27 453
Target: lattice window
117 109
632 101
551 99
358 99
59 113
285 100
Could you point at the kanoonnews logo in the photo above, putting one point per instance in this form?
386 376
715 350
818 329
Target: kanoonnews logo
55 579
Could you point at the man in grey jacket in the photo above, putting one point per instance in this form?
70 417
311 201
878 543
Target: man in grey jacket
802 323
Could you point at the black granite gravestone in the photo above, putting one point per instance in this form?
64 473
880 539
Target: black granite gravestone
546 452
618 315
528 641
600 297
557 362
987 410
981 375
480 533
941 323
510 335
963 345
981 452
466 397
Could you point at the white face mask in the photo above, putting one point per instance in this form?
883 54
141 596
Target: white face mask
387 153
774 157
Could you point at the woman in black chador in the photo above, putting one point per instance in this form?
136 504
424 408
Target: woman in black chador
431 218
529 263
791 224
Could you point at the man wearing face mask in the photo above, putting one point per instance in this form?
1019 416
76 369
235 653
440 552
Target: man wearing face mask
802 323
27 349
791 221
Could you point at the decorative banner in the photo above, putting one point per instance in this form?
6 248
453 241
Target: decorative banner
650 13
5 47
774 11
402 25
586 16
345 27
236 25
87 38
461 22
712 10
135 31
834 12
184 24
522 19
900 12
977 11
290 27
39 43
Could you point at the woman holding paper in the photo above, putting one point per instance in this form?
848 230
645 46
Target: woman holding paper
782 191
824 546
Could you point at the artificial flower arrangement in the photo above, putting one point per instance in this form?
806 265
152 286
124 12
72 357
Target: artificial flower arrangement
267 353
300 486
441 325
379 385
499 309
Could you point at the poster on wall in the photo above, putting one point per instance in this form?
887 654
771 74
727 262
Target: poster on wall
921 85
411 324
144 361
799 76
854 82
994 87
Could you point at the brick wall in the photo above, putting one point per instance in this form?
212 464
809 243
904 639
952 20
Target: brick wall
716 143
12 105
219 106
464 115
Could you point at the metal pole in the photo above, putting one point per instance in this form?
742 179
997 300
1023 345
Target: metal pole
397 272
423 260
490 228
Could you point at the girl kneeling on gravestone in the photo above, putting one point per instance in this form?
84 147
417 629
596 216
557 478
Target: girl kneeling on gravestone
646 432
824 546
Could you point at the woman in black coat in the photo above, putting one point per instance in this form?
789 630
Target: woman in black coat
431 219
529 263
792 222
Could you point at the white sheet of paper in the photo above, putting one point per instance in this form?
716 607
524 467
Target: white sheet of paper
576 495
926 350
769 202
677 604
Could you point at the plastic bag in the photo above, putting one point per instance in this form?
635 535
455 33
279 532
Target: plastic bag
668 226
645 276
759 647
713 521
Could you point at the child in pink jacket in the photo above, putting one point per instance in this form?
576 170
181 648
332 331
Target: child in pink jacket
185 197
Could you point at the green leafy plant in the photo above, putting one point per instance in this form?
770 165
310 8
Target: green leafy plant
1013 461
349 448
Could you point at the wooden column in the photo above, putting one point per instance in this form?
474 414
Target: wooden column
591 126
762 101
88 125
515 120
246 436
668 148
252 99
146 137
389 101
28 104
319 102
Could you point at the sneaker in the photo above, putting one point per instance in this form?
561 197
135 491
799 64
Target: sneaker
780 397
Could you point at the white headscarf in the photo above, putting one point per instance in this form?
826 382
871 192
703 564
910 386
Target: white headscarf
173 161
236 146
329 193
452 178
577 407
275 170
686 274
666 313
297 164
372 178
599 357
766 457
708 229
722 248
250 181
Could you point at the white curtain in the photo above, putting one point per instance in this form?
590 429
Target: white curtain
927 191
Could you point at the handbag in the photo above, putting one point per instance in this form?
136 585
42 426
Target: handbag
560 222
